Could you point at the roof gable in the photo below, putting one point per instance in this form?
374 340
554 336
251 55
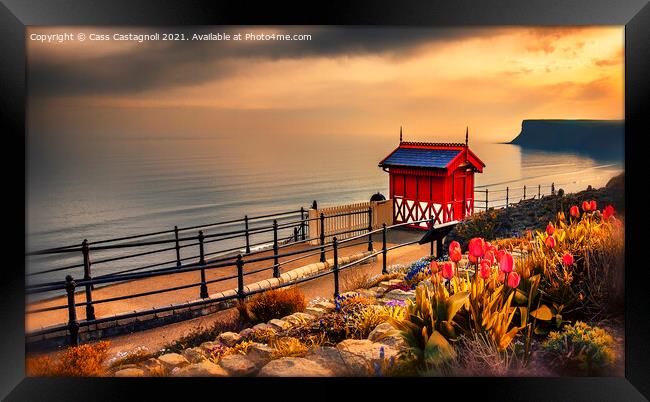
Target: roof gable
429 155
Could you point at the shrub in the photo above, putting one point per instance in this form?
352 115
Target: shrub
288 347
261 335
481 224
78 361
580 347
479 355
355 279
350 303
275 303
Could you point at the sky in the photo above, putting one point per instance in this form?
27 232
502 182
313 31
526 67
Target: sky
345 81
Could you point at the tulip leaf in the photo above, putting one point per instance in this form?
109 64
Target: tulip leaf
438 349
542 313
454 303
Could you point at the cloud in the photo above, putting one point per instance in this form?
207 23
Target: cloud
163 64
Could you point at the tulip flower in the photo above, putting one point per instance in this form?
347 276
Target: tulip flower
550 229
513 280
476 247
586 206
608 212
485 269
472 259
455 255
489 257
592 205
506 262
448 270
501 276
574 211
567 259
453 245
434 267
550 242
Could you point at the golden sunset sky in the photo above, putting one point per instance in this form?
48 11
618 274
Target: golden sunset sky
345 81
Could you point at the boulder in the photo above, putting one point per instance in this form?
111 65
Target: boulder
380 335
294 367
238 365
366 349
194 355
173 360
279 325
130 372
315 311
340 362
202 369
325 305
245 333
399 294
229 338
263 326
260 354
153 366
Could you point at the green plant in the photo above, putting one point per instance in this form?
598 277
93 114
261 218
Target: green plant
429 323
581 347
276 303
79 361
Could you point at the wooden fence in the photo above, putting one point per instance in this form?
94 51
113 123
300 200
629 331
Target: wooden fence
344 221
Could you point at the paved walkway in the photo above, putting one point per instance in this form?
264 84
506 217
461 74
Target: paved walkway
322 287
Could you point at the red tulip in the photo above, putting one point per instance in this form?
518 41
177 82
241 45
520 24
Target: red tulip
434 267
489 257
506 262
472 259
586 206
513 280
501 276
448 270
550 229
476 247
574 211
608 212
455 255
567 259
592 205
485 269
550 242
453 245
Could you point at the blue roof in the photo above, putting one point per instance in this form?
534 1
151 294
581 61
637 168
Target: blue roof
418 157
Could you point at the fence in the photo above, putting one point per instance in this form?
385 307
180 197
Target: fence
508 196
347 220
70 285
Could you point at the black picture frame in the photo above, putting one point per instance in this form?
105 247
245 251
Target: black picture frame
16 15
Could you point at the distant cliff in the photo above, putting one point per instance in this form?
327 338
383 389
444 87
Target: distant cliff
600 138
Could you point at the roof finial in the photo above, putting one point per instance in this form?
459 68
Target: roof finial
466 136
400 134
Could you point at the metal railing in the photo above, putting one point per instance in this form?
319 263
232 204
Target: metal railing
504 198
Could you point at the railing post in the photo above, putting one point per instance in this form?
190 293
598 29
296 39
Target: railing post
240 278
336 267
322 236
369 228
524 192
507 196
384 249
90 309
314 205
539 191
178 247
73 324
295 234
432 223
204 286
552 188
248 239
303 226
276 265
486 199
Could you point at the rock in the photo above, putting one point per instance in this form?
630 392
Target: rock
194 355
263 326
229 338
173 360
279 325
399 294
315 311
349 294
340 362
202 369
294 367
325 305
379 335
395 282
366 349
298 318
130 372
238 365
260 354
153 366
245 333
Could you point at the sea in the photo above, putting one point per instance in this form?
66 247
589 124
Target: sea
99 189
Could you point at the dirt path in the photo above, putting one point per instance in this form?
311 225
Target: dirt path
322 287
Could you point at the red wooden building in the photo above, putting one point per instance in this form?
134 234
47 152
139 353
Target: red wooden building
431 180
